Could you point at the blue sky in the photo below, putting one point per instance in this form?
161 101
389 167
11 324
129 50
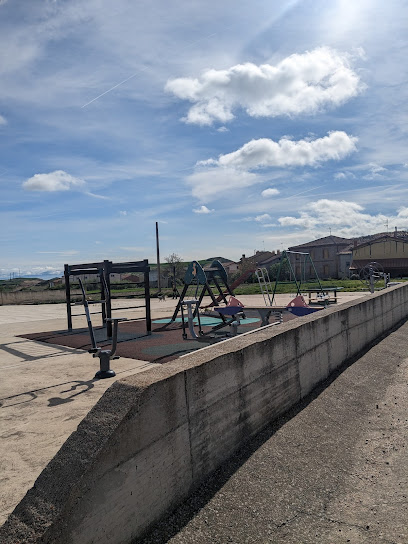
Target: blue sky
236 125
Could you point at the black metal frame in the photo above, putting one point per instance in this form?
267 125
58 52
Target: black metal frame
211 273
104 269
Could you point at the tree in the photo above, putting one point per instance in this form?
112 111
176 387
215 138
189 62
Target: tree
175 266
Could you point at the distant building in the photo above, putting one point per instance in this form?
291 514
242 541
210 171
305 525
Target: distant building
231 267
259 259
330 256
390 250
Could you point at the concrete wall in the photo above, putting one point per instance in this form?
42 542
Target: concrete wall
154 436
43 297
35 297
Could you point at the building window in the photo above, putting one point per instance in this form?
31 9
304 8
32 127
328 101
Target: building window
326 270
325 253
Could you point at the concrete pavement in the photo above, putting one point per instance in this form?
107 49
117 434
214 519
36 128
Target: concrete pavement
333 470
46 390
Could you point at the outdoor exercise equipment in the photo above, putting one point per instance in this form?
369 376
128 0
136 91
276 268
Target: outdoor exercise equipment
105 355
188 305
202 279
372 273
102 272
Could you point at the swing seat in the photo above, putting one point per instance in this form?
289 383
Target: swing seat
298 307
229 310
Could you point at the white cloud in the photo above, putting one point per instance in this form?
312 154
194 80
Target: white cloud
267 193
202 209
207 184
66 253
305 221
123 212
53 181
375 171
267 153
3 121
347 218
262 218
223 129
232 171
300 84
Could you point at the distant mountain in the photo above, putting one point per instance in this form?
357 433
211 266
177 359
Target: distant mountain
38 276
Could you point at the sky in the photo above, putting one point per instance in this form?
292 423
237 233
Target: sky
236 125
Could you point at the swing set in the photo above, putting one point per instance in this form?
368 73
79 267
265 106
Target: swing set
297 262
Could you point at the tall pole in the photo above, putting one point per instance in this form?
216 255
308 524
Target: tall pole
158 257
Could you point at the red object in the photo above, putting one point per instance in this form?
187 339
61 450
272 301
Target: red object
234 302
297 302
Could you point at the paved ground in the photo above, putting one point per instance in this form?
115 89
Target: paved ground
46 390
334 470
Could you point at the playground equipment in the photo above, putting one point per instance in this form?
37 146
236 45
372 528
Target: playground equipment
265 284
105 356
202 279
372 273
102 272
230 314
303 259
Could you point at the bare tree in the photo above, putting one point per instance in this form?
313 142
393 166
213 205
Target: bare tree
176 267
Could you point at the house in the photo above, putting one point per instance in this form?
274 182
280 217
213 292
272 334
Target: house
231 267
330 256
259 260
390 250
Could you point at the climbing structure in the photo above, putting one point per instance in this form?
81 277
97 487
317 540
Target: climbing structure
205 281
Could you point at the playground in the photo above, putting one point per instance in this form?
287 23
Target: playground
204 313
51 386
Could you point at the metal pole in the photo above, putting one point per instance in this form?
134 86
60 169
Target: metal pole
68 296
158 258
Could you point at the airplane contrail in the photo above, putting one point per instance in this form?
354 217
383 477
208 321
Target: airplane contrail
142 70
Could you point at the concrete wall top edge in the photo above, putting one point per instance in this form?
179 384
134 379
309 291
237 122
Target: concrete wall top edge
243 341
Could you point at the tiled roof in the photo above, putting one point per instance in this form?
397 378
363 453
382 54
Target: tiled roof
326 241
261 258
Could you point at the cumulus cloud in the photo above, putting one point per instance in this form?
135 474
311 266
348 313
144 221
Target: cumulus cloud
207 184
262 218
267 193
53 181
268 153
348 218
232 171
202 209
300 84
